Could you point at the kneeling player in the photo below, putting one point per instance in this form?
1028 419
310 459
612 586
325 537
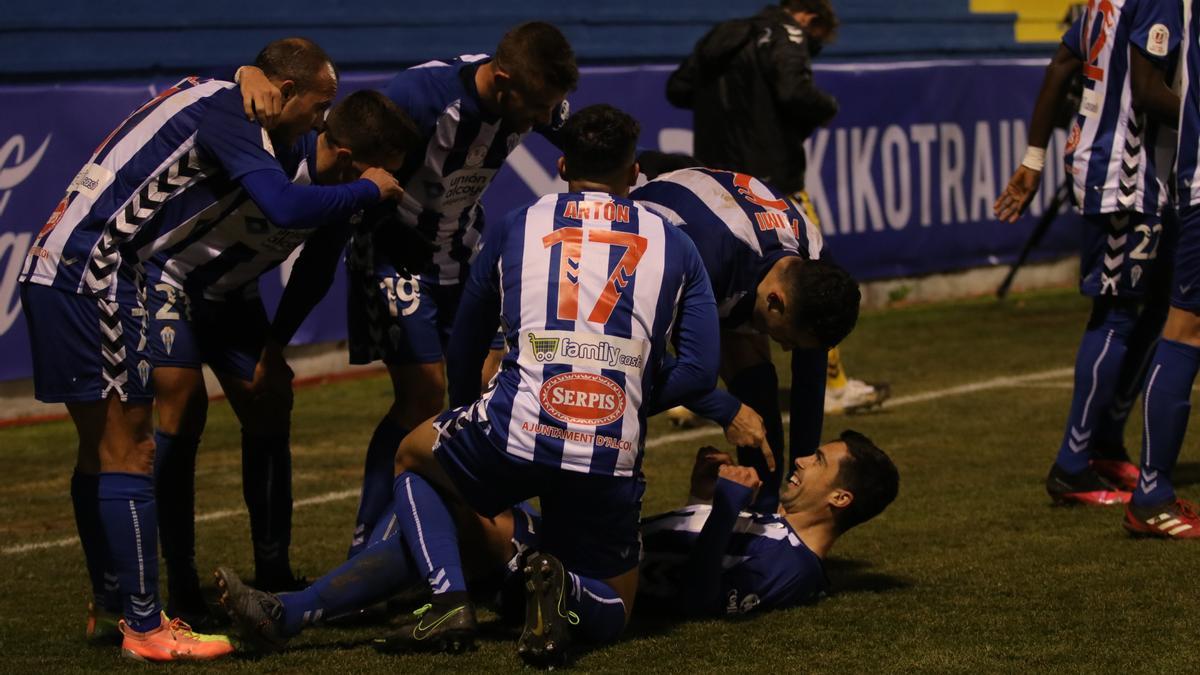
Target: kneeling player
772 282
710 557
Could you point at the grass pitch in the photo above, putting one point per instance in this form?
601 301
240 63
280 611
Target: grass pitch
970 570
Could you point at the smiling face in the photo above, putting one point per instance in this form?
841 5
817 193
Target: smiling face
814 481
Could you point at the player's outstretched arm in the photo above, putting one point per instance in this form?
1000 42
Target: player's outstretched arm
291 206
694 370
476 320
1024 183
735 489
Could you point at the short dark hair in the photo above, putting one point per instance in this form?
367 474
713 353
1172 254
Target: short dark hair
598 141
825 16
867 473
538 57
823 300
372 127
297 59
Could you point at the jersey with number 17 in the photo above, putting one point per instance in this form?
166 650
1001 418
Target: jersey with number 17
1119 160
590 286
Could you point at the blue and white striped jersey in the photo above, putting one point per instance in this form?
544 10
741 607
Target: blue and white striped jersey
589 287
221 251
1118 159
765 565
166 175
465 145
740 226
1187 168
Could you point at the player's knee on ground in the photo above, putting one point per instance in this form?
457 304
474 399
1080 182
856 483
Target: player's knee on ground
181 400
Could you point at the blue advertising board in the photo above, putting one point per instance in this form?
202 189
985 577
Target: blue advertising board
903 180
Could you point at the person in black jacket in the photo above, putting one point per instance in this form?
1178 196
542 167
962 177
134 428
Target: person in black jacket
749 84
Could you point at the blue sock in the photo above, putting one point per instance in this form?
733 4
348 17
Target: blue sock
131 528
758 387
85 499
809 371
429 534
267 489
378 473
1168 390
175 492
601 611
1097 367
378 572
1139 348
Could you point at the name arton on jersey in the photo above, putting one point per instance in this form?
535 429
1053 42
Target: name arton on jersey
597 210
587 350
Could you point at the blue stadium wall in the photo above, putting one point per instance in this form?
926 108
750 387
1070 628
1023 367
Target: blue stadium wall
933 107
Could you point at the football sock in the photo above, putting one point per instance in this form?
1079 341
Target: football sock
267 489
430 537
758 387
835 374
378 572
85 498
1139 348
131 528
1168 390
377 481
1097 367
600 610
175 494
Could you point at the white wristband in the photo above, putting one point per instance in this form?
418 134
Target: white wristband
1035 158
237 75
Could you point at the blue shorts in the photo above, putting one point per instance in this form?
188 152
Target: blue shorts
401 320
186 333
1125 255
589 521
85 348
1185 284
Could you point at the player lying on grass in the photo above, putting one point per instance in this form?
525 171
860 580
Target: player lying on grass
712 557
1119 177
773 282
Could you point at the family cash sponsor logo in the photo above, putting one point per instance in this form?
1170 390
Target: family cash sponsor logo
582 398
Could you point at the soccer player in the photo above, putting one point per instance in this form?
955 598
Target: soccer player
472 112
712 557
202 275
86 313
1155 510
589 288
765 261
1119 181
749 84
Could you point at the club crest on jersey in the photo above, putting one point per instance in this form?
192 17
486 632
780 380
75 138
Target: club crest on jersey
1135 275
143 368
582 398
476 155
167 334
1158 39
